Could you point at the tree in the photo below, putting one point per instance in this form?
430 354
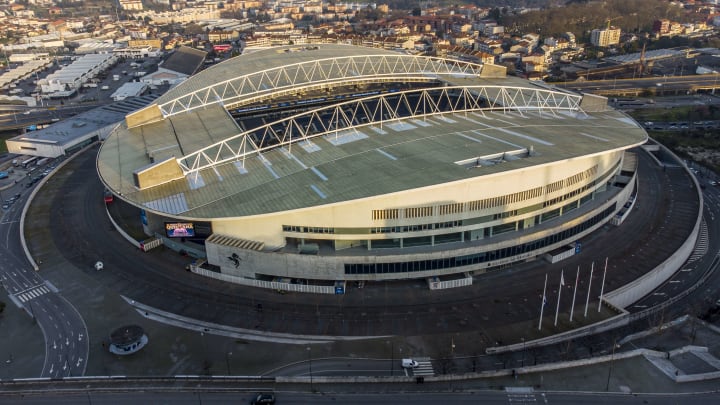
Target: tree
2 307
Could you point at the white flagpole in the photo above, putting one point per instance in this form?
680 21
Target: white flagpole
587 300
562 283
572 308
602 289
542 304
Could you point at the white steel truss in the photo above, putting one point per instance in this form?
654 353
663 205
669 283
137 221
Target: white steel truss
318 73
378 109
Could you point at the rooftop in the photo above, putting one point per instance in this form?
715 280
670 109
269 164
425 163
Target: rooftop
68 131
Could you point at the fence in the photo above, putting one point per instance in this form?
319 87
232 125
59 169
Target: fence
273 285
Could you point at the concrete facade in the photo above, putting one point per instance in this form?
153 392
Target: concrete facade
291 264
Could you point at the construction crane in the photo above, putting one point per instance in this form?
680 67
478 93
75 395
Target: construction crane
609 20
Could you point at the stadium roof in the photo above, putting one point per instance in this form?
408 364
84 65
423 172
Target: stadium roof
364 160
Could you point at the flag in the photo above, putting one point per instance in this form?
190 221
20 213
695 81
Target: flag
544 302
562 283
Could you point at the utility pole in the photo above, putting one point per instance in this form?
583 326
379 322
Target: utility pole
309 350
612 358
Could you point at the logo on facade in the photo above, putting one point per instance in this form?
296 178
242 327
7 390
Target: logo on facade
235 259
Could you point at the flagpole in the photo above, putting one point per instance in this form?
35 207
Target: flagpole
602 289
587 300
542 304
557 309
572 308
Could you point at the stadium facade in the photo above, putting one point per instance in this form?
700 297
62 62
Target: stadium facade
340 163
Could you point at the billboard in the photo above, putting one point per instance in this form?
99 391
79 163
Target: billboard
222 47
179 229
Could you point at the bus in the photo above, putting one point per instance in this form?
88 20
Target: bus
27 162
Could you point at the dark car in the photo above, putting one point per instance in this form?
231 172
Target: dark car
263 399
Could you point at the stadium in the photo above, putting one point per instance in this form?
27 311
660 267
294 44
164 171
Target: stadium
313 166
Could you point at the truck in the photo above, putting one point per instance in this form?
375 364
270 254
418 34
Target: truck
116 77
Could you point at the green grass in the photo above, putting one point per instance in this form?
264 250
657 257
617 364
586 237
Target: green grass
4 136
693 144
684 113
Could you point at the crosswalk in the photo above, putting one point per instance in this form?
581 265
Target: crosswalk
701 246
34 292
521 394
423 369
521 398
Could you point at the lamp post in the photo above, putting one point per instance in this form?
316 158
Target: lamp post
227 361
309 350
392 358
612 358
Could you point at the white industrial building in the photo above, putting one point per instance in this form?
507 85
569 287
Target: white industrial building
80 71
65 136
129 89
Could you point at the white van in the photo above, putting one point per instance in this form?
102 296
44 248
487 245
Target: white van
409 363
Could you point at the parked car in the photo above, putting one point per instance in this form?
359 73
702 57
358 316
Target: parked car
261 399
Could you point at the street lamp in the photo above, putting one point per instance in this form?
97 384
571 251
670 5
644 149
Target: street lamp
392 358
612 359
227 361
309 350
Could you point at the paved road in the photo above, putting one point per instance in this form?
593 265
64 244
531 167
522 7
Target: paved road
667 84
40 115
66 337
485 397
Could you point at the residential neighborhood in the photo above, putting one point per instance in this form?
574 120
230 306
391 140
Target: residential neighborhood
79 40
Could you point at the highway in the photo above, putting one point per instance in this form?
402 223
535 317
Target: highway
200 396
23 118
65 333
658 85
